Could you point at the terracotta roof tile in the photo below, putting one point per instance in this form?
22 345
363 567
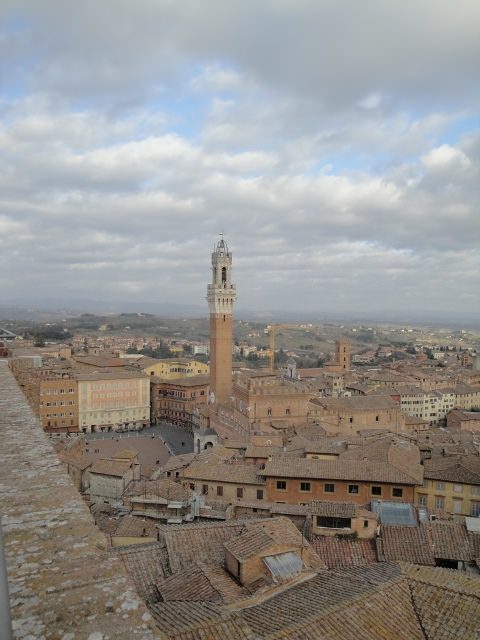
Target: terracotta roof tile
353 470
249 543
422 545
465 469
164 488
238 473
199 543
334 509
146 564
198 621
255 451
178 462
358 403
446 601
408 544
200 582
316 599
188 585
111 467
136 527
386 613
450 541
337 552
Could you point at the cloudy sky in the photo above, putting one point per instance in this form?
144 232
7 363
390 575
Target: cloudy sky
336 143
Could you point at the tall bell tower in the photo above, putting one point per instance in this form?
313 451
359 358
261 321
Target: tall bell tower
221 295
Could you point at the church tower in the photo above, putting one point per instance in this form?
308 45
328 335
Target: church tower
221 295
342 355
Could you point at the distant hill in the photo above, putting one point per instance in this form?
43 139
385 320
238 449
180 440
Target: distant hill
58 309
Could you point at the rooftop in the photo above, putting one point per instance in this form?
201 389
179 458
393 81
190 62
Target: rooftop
339 552
55 593
216 471
199 380
357 403
461 469
354 470
338 509
110 467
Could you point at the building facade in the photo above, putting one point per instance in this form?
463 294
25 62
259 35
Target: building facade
179 401
300 480
350 414
451 484
58 403
113 401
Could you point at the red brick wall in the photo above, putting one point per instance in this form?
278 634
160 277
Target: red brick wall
293 494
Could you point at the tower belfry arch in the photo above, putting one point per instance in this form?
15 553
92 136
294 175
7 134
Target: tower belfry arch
221 295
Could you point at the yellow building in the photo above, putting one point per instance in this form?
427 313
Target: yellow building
113 400
451 484
171 368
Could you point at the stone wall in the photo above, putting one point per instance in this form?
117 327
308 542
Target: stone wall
63 582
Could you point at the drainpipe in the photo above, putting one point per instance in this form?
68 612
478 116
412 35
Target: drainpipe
5 620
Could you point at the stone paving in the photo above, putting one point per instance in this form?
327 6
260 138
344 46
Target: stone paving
63 583
175 438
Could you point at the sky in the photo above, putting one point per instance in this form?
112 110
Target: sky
335 143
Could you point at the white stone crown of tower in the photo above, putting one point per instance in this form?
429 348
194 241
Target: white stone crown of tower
221 293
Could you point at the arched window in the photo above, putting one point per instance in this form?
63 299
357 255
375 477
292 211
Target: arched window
224 274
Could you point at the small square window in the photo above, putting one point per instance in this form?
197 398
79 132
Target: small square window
353 488
305 486
281 485
397 492
329 488
365 524
376 491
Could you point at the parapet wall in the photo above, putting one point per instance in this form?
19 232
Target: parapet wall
63 582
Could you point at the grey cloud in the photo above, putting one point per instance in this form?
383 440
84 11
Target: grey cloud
332 53
319 152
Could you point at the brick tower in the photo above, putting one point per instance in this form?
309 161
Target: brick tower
221 295
342 355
